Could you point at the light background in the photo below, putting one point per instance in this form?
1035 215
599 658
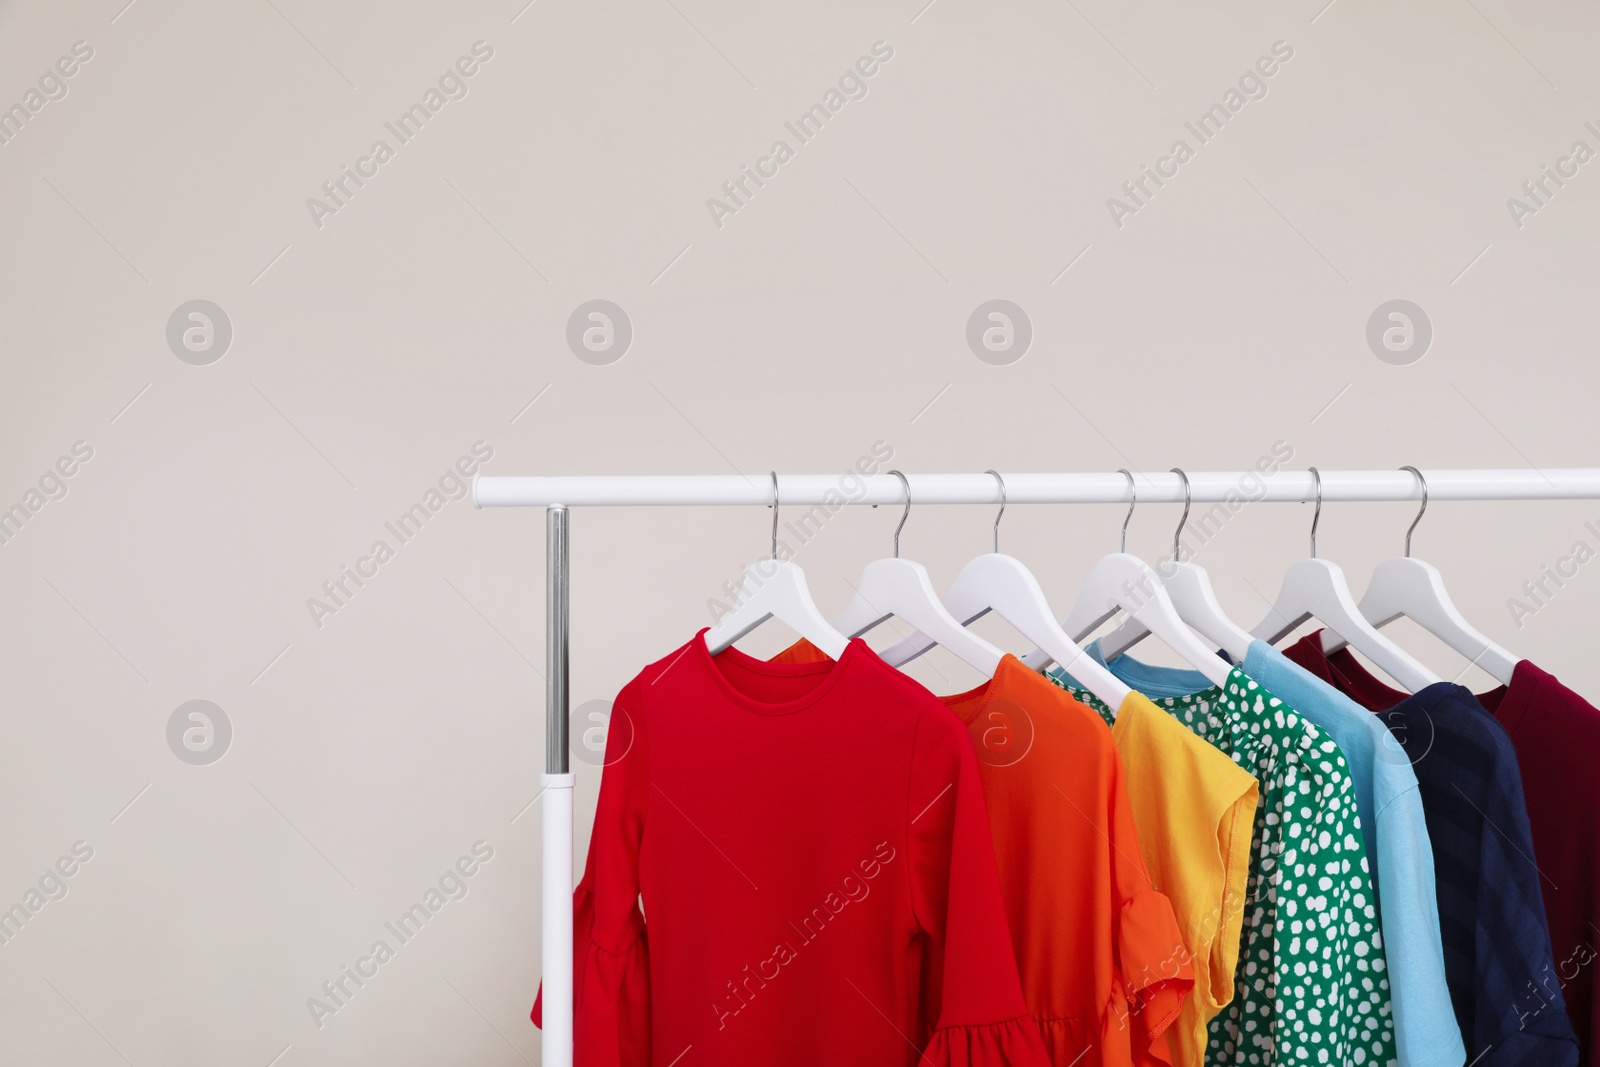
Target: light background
430 313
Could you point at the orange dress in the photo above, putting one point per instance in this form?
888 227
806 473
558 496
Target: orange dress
1104 966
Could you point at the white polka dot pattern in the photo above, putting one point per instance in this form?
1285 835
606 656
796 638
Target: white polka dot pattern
1311 985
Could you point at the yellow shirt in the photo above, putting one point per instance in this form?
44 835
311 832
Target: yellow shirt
1194 809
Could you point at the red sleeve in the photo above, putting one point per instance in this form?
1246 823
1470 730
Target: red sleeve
611 963
972 997
1153 973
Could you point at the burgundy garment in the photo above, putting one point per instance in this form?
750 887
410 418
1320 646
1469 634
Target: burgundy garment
1345 673
1556 735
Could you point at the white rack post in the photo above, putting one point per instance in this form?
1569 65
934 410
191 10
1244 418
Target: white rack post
559 494
555 952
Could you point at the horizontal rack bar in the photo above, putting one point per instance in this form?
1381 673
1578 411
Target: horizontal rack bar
1556 483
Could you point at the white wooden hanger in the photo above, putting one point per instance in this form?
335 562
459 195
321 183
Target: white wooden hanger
1408 586
1190 589
1316 589
775 588
1123 582
901 588
1001 584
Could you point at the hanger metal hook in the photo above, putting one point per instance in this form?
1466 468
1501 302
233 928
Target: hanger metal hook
774 513
1184 519
904 514
1002 510
1133 502
1420 511
1316 516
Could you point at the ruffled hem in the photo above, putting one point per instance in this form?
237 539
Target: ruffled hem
1013 1043
607 984
1135 1035
1066 1039
1162 1004
1160 977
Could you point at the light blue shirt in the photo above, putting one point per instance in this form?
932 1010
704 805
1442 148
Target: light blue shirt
1426 1032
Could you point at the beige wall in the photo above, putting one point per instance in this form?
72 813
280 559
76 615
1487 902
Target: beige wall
373 345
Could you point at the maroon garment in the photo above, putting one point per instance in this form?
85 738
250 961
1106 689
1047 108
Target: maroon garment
1557 737
1345 673
1556 734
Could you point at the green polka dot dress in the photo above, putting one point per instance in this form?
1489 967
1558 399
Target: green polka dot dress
1312 985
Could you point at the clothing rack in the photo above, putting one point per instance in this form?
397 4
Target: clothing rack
558 494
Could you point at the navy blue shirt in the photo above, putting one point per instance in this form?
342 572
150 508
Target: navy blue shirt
1497 956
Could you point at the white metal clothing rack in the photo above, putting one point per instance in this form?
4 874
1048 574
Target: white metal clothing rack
558 494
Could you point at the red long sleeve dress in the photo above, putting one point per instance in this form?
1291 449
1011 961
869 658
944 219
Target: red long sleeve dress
791 866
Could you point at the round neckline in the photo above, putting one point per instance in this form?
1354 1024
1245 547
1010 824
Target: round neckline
1011 675
1365 686
1212 694
1510 701
832 669
980 695
1369 687
1159 683
1075 690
